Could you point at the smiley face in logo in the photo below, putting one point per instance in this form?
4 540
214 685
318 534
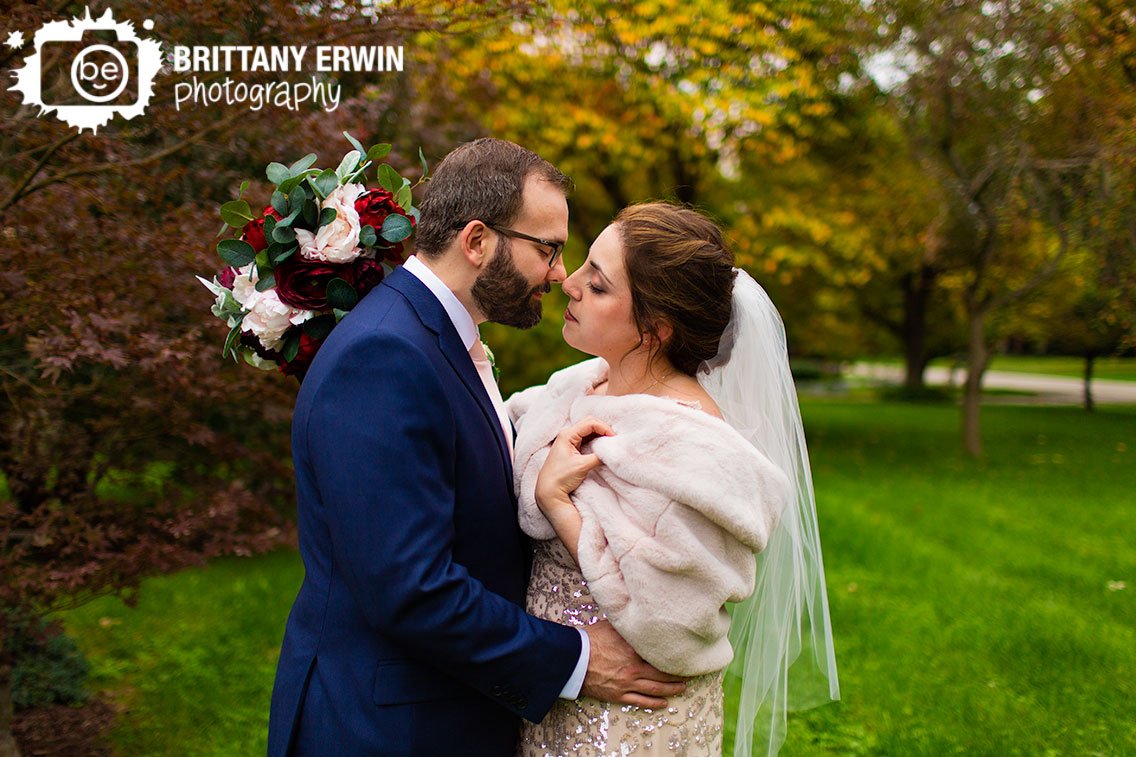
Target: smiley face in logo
99 73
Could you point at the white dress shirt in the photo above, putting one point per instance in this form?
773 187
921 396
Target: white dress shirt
467 331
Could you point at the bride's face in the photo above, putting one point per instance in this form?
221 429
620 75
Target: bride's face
598 320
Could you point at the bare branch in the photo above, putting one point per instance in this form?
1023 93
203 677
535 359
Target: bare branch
118 165
18 191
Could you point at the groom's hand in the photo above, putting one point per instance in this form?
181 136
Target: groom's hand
617 674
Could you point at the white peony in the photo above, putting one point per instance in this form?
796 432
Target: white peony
338 241
268 318
244 284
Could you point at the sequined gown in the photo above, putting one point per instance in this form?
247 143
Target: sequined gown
691 724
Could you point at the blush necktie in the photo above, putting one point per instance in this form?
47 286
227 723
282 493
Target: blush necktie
485 371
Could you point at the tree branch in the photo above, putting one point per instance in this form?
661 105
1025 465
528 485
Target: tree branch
18 191
118 165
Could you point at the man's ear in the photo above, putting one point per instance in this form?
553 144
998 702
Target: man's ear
474 243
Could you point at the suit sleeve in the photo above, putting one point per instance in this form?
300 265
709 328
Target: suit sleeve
381 440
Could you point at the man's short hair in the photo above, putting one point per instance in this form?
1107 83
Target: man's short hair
481 180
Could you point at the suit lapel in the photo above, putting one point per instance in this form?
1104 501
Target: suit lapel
435 318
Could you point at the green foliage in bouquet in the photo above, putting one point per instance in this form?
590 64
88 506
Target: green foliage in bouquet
299 266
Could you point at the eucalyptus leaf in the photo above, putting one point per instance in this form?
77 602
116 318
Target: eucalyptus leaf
280 202
286 251
325 183
283 234
269 225
311 214
231 339
347 165
358 172
290 184
396 228
414 212
222 230
266 283
291 345
425 167
389 178
320 326
403 197
263 268
367 236
236 213
355 143
236 252
286 221
341 295
339 314
275 250
297 198
244 186
277 173
303 163
327 215
378 152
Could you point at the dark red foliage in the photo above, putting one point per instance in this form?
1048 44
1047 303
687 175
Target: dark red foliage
59 729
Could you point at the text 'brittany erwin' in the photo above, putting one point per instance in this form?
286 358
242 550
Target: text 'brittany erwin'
281 59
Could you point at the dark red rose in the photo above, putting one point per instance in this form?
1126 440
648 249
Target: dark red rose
302 283
227 276
395 254
373 207
366 273
253 233
299 364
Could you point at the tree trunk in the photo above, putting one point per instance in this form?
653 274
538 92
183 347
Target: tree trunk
1089 359
976 361
916 296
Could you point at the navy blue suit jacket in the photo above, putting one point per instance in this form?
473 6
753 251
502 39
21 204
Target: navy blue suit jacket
408 635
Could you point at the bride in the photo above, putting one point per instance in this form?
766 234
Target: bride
667 485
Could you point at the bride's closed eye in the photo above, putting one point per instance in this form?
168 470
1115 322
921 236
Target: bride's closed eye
594 288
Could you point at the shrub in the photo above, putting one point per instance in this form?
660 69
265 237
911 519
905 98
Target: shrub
48 668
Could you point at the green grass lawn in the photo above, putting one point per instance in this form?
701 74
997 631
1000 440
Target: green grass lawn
976 606
1112 368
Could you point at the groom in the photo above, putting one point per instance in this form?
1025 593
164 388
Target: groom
408 635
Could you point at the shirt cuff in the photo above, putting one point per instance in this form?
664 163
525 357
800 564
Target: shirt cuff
576 682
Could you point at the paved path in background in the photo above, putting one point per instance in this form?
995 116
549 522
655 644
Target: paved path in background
1056 390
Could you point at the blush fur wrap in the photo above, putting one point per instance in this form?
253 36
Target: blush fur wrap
672 520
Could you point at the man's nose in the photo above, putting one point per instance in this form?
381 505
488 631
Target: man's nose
557 273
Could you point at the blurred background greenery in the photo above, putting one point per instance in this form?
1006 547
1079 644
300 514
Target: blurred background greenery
916 184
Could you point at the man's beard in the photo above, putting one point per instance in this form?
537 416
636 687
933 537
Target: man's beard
504 295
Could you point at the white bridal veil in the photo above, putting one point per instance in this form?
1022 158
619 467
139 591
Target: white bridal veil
782 638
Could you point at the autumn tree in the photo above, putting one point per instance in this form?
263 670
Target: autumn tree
127 446
982 97
655 99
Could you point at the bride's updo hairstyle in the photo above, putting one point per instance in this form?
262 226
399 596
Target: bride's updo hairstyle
680 272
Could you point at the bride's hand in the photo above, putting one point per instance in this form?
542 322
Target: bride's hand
566 467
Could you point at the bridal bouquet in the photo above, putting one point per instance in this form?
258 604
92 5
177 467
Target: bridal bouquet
301 264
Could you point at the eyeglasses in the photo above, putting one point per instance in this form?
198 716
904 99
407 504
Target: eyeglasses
555 248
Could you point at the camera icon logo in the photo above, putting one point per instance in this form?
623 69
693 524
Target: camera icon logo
89 70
